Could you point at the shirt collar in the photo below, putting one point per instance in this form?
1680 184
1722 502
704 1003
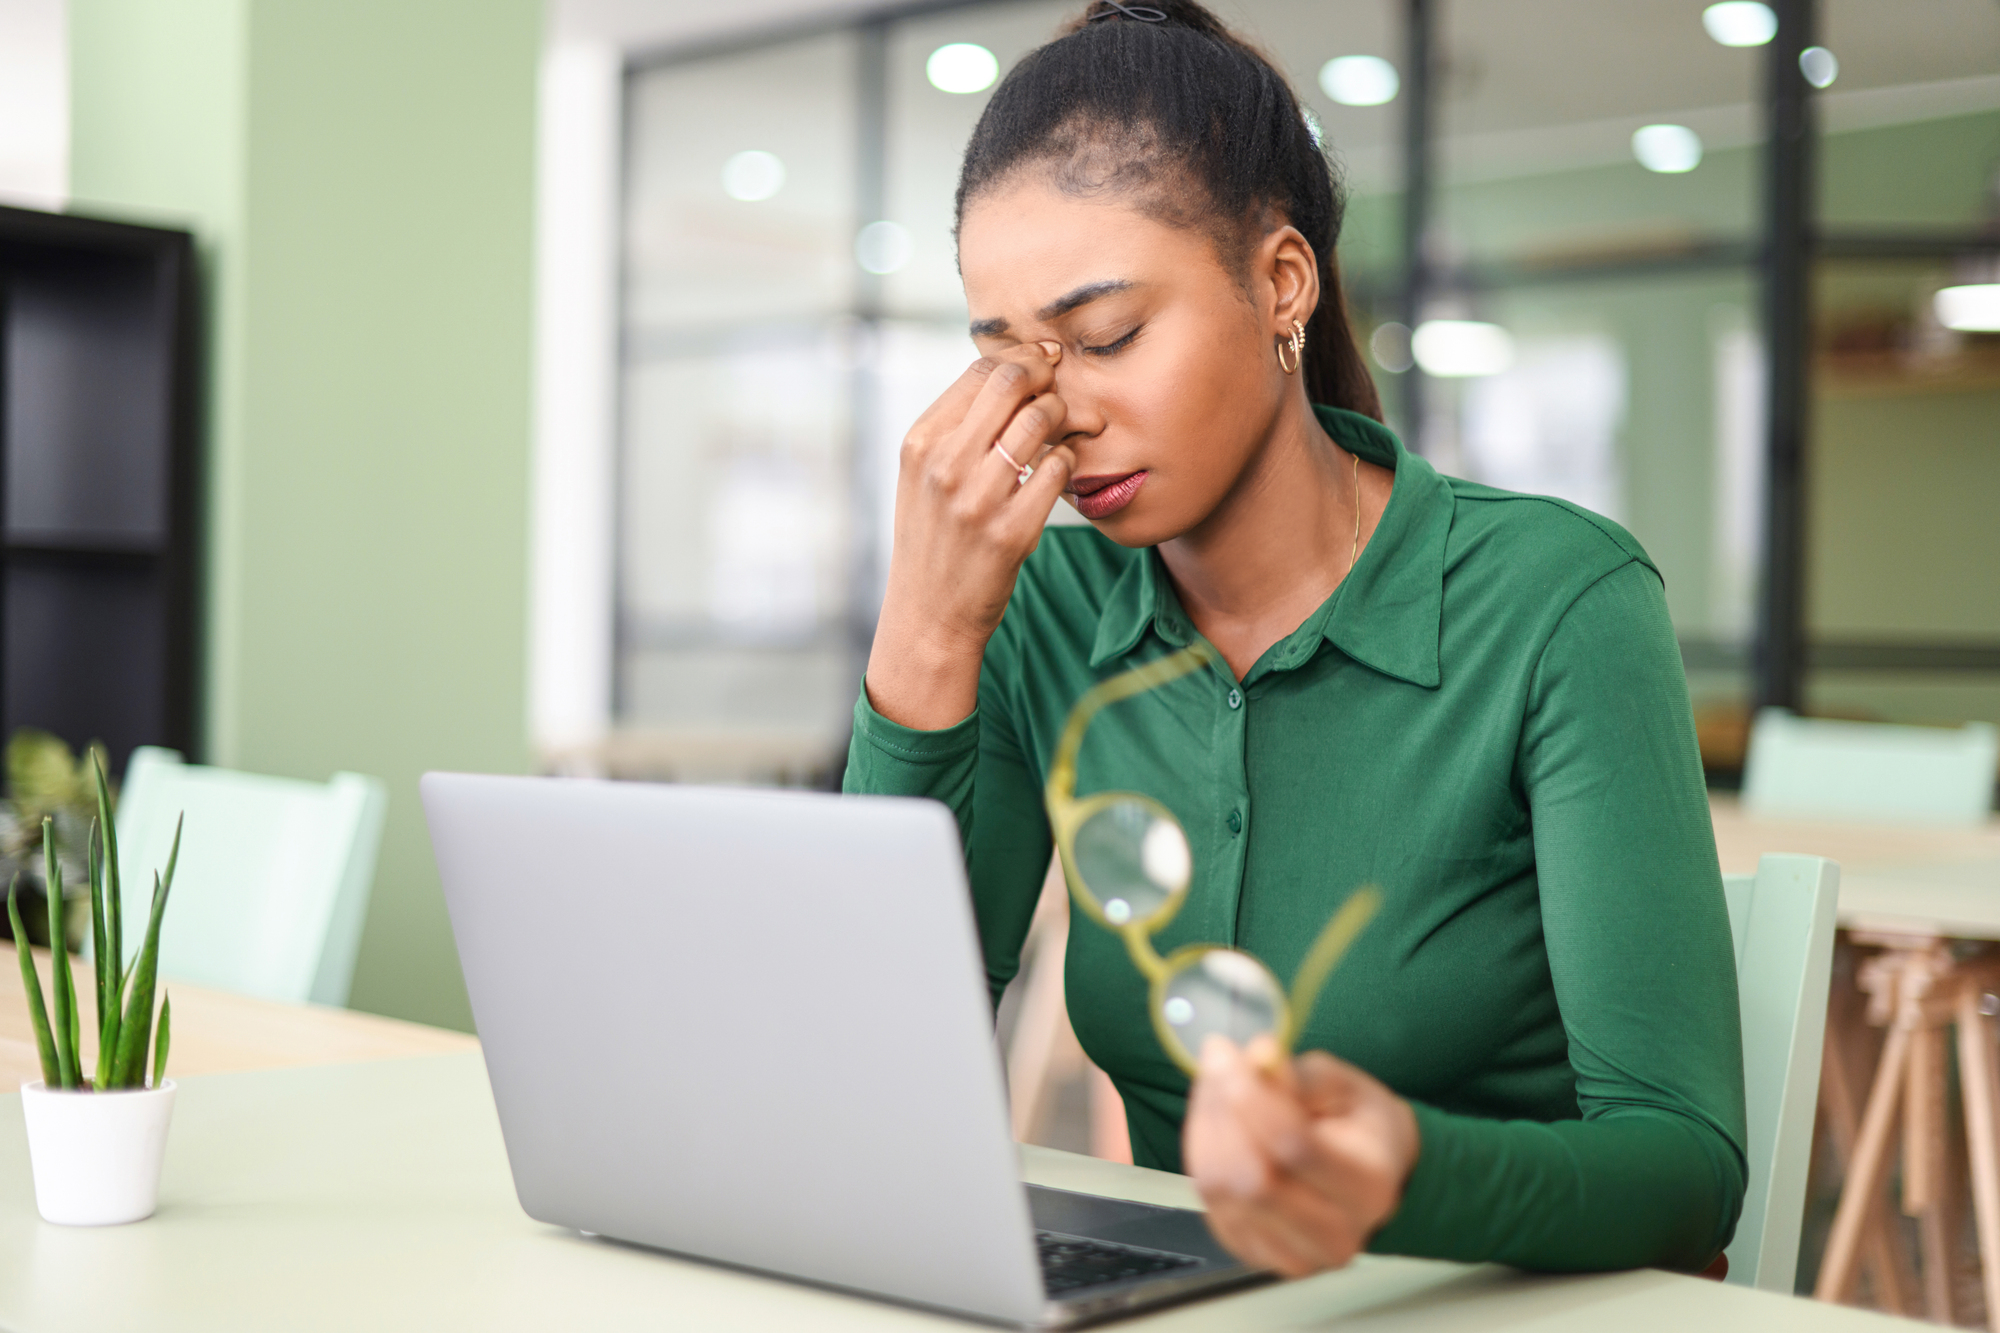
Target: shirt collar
1386 614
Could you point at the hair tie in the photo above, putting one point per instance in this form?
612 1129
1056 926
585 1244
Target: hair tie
1143 13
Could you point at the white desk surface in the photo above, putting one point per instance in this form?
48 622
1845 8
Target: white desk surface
1893 877
376 1196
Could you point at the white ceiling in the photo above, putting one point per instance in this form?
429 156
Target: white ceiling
652 23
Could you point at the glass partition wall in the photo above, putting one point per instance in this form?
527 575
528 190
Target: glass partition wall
1571 204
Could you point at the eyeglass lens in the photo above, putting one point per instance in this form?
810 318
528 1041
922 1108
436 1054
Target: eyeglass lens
1221 992
1132 860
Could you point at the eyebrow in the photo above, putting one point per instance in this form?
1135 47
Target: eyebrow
1062 305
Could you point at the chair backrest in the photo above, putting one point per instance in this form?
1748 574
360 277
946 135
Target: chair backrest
273 879
1811 767
1782 920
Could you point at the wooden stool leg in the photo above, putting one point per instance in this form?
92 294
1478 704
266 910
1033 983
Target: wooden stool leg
1891 1280
1924 1153
1982 1133
1865 1171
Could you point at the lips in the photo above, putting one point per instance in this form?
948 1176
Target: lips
1104 495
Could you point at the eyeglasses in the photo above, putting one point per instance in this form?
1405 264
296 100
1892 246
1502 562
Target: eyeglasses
1128 865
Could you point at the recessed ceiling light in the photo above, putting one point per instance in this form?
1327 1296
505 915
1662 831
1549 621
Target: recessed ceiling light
1667 148
1819 66
962 67
1973 308
882 247
1359 80
1458 348
1740 22
753 175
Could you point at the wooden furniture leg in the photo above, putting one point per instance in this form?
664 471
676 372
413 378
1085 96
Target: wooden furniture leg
1865 1170
1884 1264
1924 1154
1982 1132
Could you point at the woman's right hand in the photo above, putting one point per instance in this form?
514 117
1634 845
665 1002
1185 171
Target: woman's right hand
963 526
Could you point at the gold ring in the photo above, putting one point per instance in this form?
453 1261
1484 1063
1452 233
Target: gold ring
1022 471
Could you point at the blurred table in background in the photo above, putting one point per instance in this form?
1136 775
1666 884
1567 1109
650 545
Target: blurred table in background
216 1033
1901 878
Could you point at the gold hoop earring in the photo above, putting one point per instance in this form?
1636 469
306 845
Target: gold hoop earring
1297 342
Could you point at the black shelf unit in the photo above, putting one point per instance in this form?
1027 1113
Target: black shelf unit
99 482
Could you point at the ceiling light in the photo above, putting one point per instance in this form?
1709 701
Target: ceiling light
753 175
1740 22
882 247
1819 66
1359 80
1668 148
1974 308
1455 348
962 67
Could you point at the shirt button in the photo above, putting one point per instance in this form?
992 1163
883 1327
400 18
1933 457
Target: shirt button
1235 822
1236 698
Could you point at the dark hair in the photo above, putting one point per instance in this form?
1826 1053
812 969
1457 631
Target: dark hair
1196 122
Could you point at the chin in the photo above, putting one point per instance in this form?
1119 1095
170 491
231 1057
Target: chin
1134 530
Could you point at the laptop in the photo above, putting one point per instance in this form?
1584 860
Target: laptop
752 1027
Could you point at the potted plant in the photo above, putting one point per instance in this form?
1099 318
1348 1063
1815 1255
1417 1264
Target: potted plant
96 1136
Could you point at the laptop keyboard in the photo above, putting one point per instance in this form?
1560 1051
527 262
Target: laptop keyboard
1070 1262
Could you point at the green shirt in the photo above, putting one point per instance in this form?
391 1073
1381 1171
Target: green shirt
1489 720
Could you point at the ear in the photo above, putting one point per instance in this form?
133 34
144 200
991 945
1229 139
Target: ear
1289 273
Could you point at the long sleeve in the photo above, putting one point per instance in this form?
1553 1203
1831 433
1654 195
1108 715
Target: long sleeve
1639 953
977 768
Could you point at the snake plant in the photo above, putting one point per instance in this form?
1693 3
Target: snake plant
124 998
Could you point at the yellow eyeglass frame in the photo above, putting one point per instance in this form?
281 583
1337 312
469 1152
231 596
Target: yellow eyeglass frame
1068 815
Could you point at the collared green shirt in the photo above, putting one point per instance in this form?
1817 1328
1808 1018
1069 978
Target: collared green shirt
1489 721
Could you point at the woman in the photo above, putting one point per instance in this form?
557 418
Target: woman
1469 698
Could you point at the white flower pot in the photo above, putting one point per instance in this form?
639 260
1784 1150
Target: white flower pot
97 1154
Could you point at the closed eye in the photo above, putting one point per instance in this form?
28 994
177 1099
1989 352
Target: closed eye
1118 345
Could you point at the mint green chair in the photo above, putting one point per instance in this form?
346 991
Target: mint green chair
1812 768
1782 921
273 880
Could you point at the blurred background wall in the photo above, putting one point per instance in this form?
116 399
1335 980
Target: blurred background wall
360 178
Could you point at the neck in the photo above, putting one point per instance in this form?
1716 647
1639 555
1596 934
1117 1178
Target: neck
1278 544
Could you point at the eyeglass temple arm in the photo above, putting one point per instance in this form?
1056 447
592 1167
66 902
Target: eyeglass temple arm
1334 938
1062 769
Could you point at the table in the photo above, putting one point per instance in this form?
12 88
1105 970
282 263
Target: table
377 1196
216 1032
1894 878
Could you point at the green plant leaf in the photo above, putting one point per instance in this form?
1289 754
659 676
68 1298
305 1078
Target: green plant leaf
107 965
114 899
165 1040
101 969
129 1070
31 983
62 987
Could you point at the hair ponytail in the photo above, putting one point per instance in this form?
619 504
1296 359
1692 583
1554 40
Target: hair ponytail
1159 98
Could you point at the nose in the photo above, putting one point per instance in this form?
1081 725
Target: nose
1086 414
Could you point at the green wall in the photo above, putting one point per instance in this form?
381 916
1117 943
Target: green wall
360 176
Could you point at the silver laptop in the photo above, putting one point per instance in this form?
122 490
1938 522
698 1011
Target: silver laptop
752 1027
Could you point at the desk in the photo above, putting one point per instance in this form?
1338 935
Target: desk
215 1032
1896 878
377 1196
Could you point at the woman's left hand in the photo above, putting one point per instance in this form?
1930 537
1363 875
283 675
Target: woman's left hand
1299 1162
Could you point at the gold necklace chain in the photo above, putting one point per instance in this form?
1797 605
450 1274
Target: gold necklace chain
1354 553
